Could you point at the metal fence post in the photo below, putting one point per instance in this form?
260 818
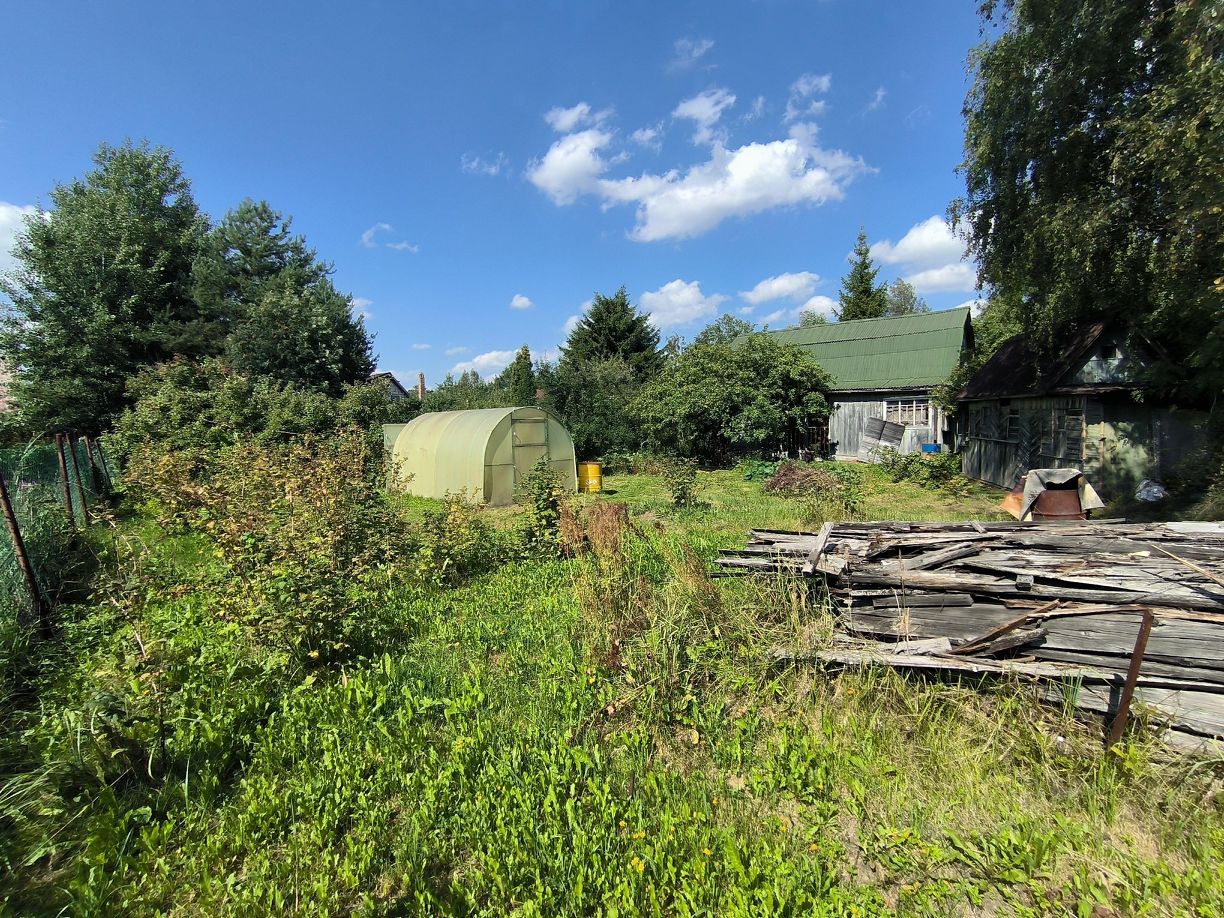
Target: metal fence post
76 472
63 474
42 615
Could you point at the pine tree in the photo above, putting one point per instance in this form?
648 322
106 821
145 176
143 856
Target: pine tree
613 327
102 288
519 380
861 297
240 258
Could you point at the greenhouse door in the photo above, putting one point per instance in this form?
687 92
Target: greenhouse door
530 437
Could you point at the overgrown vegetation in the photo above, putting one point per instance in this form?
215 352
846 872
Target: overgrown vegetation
291 694
931 470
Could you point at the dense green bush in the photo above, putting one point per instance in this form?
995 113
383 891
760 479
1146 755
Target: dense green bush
193 408
757 469
931 470
715 399
680 478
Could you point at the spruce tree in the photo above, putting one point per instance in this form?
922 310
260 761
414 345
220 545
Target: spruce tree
861 297
519 380
613 327
240 258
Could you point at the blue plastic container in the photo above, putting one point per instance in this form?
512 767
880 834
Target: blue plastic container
930 447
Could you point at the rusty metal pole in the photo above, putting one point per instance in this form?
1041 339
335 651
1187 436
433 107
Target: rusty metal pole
76 472
63 472
42 617
1132 676
110 482
95 474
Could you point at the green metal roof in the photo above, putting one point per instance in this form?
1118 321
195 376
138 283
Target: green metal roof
905 352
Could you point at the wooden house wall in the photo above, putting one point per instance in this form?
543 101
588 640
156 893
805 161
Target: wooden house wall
1115 440
852 411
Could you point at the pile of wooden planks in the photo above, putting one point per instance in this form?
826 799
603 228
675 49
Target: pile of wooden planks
1069 605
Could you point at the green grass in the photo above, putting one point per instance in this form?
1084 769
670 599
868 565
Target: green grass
735 505
501 756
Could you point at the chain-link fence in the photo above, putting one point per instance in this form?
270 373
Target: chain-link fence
51 487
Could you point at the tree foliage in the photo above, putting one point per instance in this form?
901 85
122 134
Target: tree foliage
464 392
724 330
593 398
614 328
717 398
243 257
861 297
903 299
991 327
518 380
103 288
124 273
194 407
1094 167
304 337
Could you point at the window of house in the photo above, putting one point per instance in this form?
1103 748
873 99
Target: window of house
1109 352
912 412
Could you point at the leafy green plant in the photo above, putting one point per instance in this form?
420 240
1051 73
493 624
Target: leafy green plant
542 495
456 544
757 469
931 470
680 476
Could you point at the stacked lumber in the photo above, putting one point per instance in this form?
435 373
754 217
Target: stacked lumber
1060 603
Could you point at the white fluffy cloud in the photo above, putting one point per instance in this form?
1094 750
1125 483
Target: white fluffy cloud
877 100
370 241
518 301
824 305
455 351
421 347
958 277
688 52
933 256
564 120
361 307
928 244
802 102
487 364
679 302
571 167
704 110
651 137
11 223
791 286
734 183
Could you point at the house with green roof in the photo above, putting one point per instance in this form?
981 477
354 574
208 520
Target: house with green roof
883 372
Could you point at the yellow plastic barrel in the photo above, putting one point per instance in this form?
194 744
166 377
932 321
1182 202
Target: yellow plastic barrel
590 477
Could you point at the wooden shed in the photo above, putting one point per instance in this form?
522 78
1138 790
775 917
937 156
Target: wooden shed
1078 407
883 372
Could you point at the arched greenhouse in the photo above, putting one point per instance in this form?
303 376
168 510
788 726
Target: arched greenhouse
488 451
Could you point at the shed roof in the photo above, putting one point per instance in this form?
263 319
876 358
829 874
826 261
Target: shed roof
1016 369
900 352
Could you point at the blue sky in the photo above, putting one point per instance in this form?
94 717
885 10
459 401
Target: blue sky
476 171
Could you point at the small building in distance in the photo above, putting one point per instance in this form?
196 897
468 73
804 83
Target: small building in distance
395 389
1077 407
883 372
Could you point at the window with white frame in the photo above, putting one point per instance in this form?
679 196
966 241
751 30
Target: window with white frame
912 412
